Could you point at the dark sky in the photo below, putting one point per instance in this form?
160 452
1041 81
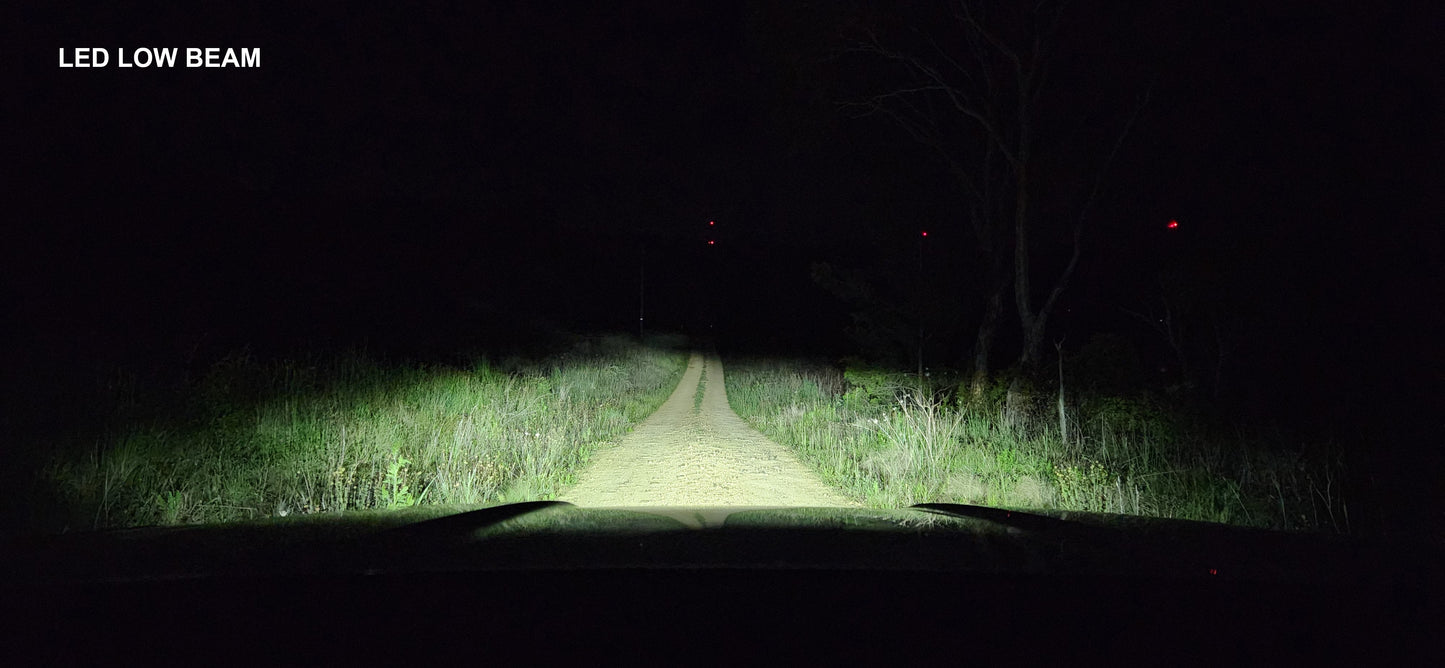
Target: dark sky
413 172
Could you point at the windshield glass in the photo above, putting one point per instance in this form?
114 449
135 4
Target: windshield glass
1162 261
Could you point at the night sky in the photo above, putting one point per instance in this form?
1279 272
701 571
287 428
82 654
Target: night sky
424 177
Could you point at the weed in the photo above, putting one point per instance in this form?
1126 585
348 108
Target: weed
396 493
701 390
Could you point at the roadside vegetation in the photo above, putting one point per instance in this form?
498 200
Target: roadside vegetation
701 391
890 441
254 439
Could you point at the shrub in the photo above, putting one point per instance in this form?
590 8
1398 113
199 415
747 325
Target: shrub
1107 364
1137 418
868 388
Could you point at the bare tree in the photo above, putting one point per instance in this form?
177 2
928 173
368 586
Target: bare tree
974 103
1195 323
929 109
1225 341
1171 321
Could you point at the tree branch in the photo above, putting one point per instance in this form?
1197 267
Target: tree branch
1089 203
955 97
995 42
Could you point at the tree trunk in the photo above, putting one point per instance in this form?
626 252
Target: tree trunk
1015 408
1022 289
983 345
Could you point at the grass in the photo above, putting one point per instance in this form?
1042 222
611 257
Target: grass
270 439
889 443
701 391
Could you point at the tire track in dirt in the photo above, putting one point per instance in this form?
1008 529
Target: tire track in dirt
708 457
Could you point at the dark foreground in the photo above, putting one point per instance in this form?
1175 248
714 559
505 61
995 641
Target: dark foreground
551 581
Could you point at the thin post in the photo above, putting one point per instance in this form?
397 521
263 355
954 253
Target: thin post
1063 419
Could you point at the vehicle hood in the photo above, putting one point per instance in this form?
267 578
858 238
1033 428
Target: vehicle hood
551 535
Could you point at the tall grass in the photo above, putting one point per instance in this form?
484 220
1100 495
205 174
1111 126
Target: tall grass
890 443
256 439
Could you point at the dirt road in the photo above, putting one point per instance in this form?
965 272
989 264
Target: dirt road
704 456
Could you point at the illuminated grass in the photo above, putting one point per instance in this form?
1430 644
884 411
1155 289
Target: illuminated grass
281 439
701 391
875 437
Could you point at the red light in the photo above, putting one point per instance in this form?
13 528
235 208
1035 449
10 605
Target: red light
1173 224
711 223
925 233
710 242
1214 571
